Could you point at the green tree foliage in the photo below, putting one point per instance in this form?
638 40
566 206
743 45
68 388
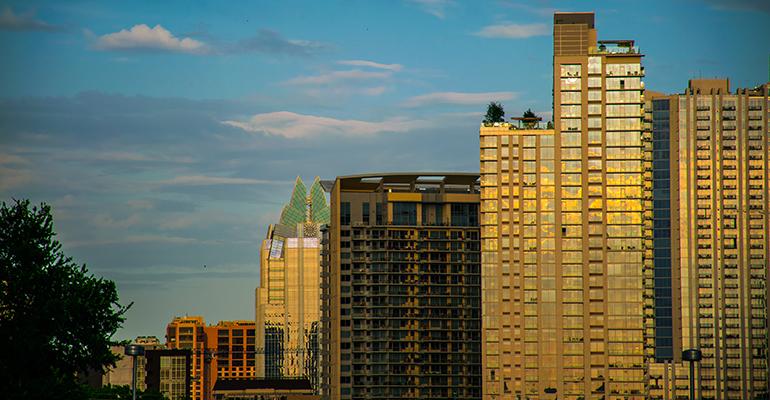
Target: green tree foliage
56 319
120 393
495 113
529 114
531 124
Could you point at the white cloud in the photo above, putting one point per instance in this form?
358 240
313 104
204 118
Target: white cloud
339 76
11 178
457 98
436 8
374 91
11 21
271 42
142 37
541 11
293 126
371 64
6 158
513 31
202 180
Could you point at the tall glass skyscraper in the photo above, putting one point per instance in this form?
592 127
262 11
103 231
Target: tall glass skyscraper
710 264
562 220
288 300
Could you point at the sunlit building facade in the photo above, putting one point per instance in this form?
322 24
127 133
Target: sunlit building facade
288 299
189 333
403 299
709 288
562 220
224 350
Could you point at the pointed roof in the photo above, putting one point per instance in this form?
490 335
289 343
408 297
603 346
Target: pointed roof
319 210
293 213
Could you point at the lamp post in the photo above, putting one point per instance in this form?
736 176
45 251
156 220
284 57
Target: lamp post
692 356
134 350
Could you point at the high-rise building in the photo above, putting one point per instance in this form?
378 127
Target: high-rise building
232 347
709 163
224 350
189 333
402 274
288 299
562 220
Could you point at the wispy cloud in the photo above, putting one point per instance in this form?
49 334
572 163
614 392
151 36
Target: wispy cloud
124 156
436 8
10 21
371 64
740 5
294 126
272 42
457 98
541 11
369 81
338 76
203 180
142 37
513 31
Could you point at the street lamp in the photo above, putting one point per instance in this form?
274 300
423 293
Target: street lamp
134 350
692 356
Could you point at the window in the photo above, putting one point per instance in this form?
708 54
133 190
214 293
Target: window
365 213
465 214
404 213
378 213
345 213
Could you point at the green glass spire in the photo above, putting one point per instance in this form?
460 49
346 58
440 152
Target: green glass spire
294 212
320 212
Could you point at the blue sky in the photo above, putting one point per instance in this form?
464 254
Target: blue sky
167 135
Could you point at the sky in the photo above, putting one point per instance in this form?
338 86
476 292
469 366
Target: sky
166 136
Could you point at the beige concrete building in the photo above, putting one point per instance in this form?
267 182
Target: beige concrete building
562 220
120 374
288 300
708 286
401 285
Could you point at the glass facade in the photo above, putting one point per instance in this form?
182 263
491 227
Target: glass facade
661 199
718 223
562 234
288 304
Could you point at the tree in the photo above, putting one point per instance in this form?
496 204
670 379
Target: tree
495 113
121 393
530 119
529 114
56 319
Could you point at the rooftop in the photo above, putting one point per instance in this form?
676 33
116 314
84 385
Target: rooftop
523 124
612 47
448 182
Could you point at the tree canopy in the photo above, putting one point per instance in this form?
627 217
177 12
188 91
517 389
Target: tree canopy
56 319
495 113
121 393
529 114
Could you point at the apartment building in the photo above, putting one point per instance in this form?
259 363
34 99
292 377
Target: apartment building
225 350
401 285
562 220
708 287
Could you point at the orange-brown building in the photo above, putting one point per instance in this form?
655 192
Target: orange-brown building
224 350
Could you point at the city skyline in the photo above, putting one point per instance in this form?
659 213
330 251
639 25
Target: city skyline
165 180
